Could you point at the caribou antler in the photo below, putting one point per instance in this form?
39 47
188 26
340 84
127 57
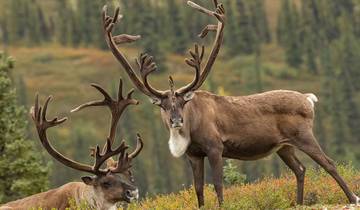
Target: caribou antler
196 57
147 65
194 62
38 115
124 160
113 41
116 106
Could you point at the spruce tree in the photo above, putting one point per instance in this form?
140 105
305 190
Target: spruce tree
289 33
231 40
333 102
151 41
177 36
62 29
246 29
259 21
22 172
348 48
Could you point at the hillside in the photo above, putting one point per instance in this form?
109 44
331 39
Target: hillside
66 73
321 192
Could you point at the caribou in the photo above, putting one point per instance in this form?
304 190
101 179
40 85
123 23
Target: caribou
202 124
108 185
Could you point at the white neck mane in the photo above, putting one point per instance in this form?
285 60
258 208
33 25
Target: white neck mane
178 144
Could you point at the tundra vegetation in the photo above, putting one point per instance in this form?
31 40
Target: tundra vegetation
309 46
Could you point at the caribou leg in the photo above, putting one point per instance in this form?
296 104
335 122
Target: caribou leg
216 164
197 166
287 154
309 145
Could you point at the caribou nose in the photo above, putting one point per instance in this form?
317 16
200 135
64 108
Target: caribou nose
176 122
132 194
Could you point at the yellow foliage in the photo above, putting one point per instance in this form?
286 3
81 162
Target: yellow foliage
266 194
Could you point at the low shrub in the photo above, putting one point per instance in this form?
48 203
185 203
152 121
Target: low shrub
266 194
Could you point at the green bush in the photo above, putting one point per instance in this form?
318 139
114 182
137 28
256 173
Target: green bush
232 176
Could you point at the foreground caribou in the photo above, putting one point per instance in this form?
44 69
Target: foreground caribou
239 127
108 185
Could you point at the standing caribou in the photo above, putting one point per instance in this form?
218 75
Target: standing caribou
109 185
239 127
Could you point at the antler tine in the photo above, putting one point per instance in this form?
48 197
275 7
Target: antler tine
139 147
116 106
146 66
206 30
194 62
219 13
38 115
123 163
200 8
120 90
124 159
101 158
114 41
107 99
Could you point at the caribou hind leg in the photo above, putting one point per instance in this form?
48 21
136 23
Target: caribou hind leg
308 144
287 154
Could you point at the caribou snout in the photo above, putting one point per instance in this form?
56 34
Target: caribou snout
132 194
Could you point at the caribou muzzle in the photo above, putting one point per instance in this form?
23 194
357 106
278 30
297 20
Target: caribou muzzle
176 123
132 195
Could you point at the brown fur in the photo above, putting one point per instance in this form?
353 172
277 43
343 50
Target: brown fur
247 128
245 123
58 197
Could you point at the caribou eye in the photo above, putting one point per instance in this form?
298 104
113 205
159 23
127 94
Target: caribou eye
106 184
155 101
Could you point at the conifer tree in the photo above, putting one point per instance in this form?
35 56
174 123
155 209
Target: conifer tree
259 21
22 172
151 41
33 24
289 33
62 29
349 74
333 100
246 29
177 36
231 40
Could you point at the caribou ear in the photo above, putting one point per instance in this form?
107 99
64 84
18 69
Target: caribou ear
189 95
155 101
88 180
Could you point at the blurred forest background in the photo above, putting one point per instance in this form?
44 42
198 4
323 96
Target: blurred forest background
59 49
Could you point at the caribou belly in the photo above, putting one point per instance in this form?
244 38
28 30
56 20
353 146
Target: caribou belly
249 152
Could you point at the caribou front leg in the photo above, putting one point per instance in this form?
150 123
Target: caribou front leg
197 166
216 164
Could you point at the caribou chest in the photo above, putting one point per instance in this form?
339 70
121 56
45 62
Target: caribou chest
178 144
